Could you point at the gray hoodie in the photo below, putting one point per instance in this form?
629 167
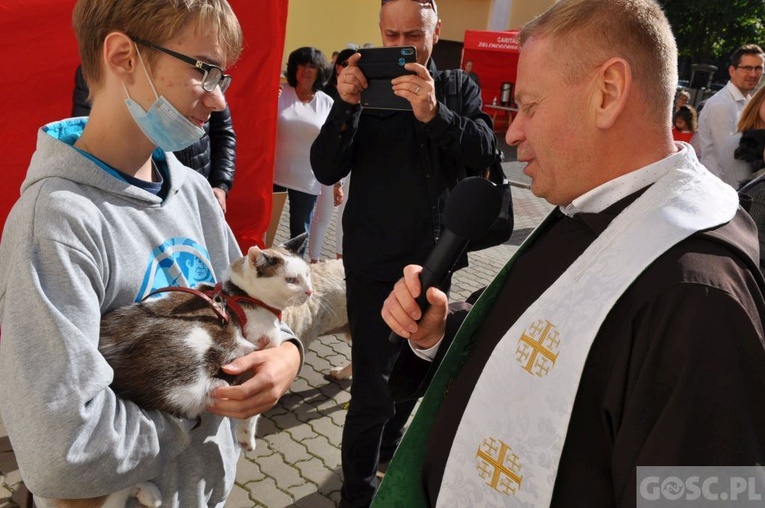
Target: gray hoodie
80 242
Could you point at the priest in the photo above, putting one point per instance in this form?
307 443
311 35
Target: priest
627 329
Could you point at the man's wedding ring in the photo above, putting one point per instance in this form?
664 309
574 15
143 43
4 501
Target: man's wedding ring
417 92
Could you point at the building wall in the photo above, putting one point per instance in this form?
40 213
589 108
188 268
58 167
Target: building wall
522 11
331 25
460 15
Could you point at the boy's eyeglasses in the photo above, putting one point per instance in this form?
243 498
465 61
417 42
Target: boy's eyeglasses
212 75
432 3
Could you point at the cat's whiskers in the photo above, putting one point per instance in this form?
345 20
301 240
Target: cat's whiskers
323 303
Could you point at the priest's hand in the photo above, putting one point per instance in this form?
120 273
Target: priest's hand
401 312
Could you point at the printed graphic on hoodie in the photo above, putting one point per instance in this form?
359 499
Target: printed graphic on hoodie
177 262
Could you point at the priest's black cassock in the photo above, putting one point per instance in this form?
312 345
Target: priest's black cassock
674 377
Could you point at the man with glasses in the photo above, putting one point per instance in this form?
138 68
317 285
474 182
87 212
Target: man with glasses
403 164
720 114
108 214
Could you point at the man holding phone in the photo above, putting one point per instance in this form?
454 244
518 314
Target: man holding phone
404 163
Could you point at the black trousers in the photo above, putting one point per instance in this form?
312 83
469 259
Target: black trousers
374 424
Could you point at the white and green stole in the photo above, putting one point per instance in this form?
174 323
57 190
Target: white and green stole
509 442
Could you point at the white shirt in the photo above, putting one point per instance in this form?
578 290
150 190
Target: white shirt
735 171
717 122
598 199
298 125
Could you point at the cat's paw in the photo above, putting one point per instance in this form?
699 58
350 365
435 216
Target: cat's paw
148 495
245 435
247 442
263 342
341 374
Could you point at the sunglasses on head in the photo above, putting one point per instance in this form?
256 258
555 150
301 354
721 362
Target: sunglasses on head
432 3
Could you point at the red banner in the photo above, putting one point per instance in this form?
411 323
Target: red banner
253 99
40 77
484 40
495 60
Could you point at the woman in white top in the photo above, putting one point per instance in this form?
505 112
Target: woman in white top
743 150
303 108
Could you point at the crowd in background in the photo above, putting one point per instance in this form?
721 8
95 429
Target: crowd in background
726 130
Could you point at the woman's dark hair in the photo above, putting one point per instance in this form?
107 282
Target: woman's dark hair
308 55
343 56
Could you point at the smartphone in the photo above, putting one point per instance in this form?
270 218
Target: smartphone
380 66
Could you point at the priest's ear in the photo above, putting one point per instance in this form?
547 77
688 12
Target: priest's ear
614 85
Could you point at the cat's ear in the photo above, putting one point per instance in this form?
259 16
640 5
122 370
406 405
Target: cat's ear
262 259
253 255
296 245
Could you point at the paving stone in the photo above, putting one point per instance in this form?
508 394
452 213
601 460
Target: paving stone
305 491
328 428
285 474
331 488
286 421
291 450
316 500
265 493
239 498
326 452
248 469
315 471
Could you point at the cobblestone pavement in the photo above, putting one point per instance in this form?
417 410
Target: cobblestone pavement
297 459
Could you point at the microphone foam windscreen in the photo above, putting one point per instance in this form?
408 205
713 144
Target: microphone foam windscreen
473 205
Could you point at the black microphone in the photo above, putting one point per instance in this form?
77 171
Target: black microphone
472 207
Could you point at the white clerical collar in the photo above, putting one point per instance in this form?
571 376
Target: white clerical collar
605 195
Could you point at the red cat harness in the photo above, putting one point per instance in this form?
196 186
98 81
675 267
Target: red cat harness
221 303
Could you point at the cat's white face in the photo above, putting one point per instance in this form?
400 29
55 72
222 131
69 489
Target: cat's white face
273 276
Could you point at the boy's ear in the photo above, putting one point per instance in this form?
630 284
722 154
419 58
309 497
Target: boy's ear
120 56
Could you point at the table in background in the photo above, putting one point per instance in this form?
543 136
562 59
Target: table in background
505 114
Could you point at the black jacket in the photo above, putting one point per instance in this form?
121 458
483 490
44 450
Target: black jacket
402 172
213 155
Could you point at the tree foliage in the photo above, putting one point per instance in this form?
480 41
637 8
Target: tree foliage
710 30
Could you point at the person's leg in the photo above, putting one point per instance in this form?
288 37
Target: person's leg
371 406
301 209
322 216
394 430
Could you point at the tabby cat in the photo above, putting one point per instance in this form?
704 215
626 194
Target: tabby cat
167 352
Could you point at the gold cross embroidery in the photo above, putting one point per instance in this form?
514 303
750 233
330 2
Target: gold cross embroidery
499 466
537 349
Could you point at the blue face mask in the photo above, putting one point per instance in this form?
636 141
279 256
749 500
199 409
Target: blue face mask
164 125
